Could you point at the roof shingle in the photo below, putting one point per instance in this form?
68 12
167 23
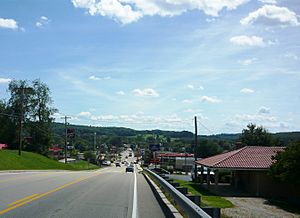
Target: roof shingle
249 157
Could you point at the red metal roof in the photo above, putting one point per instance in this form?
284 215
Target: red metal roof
249 157
55 149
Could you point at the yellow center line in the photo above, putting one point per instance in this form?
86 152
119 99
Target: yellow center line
23 202
22 199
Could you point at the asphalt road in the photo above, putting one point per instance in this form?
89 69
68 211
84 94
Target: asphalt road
109 192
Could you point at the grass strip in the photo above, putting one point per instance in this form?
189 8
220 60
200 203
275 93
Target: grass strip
10 160
208 199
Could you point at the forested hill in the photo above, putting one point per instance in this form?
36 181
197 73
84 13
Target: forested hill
81 130
58 128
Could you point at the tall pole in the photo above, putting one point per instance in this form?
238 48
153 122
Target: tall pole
21 122
66 137
95 134
195 147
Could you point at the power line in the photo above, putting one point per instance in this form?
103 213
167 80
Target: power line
10 115
206 128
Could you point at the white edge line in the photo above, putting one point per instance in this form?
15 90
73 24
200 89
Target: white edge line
134 206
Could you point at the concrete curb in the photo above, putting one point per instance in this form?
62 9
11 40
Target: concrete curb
169 209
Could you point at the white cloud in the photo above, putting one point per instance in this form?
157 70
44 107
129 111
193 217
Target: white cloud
291 55
120 93
172 121
247 62
272 15
208 20
4 80
84 114
187 101
128 11
190 86
247 91
189 111
210 99
256 118
269 122
145 92
248 41
264 110
114 9
268 1
8 23
93 77
42 21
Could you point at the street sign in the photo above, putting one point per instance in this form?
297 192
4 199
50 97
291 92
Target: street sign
71 133
154 147
155 161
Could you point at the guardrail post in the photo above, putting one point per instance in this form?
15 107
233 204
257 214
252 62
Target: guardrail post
183 190
194 198
175 184
189 207
212 211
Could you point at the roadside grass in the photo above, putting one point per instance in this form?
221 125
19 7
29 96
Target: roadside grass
208 199
10 160
83 165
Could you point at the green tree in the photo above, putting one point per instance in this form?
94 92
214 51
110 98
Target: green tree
207 148
8 124
286 167
256 136
90 157
36 102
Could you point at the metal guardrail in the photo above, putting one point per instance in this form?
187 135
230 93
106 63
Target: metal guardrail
189 207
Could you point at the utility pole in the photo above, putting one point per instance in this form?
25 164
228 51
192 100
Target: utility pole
23 90
95 135
195 147
21 122
66 137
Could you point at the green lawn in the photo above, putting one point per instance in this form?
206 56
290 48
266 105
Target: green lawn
10 160
207 198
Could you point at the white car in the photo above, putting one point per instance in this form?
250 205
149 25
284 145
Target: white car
106 162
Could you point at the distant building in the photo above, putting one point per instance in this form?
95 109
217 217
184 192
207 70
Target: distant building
56 151
3 146
176 161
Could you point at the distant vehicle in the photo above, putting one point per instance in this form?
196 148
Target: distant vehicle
130 168
212 174
106 162
118 164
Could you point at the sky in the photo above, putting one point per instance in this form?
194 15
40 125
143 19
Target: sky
155 64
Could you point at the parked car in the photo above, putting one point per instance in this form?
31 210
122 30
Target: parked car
106 162
118 164
129 168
